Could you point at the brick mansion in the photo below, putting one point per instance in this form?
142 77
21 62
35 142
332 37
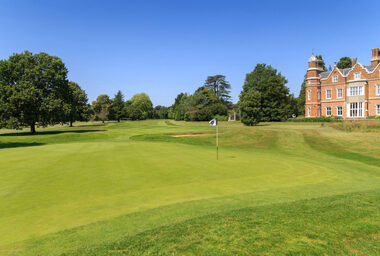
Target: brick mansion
346 93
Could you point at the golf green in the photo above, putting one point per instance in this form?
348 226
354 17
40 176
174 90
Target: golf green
129 188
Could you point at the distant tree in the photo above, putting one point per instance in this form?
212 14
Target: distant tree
79 110
219 86
293 105
103 114
250 107
117 107
140 107
344 62
101 107
301 98
323 63
160 112
274 95
33 89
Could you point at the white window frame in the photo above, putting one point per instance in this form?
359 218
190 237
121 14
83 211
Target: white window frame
319 111
357 75
377 110
378 89
337 110
328 98
339 96
328 108
319 94
308 94
335 79
355 91
308 111
357 111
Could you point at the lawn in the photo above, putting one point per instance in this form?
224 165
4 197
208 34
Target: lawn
130 189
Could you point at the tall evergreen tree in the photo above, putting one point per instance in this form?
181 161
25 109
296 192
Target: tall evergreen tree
219 86
117 107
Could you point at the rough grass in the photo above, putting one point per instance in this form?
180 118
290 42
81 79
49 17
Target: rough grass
358 125
129 189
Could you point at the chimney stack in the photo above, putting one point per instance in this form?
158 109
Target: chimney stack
375 57
354 60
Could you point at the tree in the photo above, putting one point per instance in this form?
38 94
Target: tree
101 107
344 62
118 106
274 94
140 107
79 110
250 107
219 86
33 89
160 112
301 98
323 63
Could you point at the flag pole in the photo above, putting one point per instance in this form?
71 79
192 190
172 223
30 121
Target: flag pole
217 141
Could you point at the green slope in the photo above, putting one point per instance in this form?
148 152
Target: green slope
89 187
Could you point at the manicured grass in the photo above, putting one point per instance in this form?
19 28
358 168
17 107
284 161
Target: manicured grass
92 188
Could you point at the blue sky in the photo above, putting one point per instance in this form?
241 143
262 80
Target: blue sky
167 47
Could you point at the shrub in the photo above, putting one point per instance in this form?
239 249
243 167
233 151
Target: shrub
221 118
316 119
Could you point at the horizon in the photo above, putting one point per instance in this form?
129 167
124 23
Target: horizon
168 47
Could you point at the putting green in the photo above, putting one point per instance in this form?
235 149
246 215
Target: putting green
67 189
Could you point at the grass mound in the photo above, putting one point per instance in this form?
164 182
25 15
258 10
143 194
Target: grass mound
339 225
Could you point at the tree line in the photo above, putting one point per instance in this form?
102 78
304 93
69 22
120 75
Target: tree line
35 90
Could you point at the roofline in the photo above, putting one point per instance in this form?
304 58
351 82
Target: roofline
358 63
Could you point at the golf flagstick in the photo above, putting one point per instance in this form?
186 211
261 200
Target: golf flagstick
214 122
217 141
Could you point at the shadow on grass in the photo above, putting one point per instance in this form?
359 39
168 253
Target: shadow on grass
47 133
19 144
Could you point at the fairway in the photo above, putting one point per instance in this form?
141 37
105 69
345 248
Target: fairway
132 188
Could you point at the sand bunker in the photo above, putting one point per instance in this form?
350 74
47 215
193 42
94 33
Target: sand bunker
189 134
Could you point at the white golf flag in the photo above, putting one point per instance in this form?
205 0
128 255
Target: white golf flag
213 122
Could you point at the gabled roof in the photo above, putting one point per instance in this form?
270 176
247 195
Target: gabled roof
325 74
345 71
369 68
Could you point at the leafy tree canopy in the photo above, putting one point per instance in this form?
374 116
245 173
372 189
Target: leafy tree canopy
101 107
344 62
274 94
33 89
80 109
140 107
250 107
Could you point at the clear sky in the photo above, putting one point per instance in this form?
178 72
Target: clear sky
167 47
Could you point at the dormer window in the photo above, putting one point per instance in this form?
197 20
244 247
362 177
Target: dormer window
357 75
335 79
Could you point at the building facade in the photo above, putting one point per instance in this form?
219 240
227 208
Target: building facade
346 93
